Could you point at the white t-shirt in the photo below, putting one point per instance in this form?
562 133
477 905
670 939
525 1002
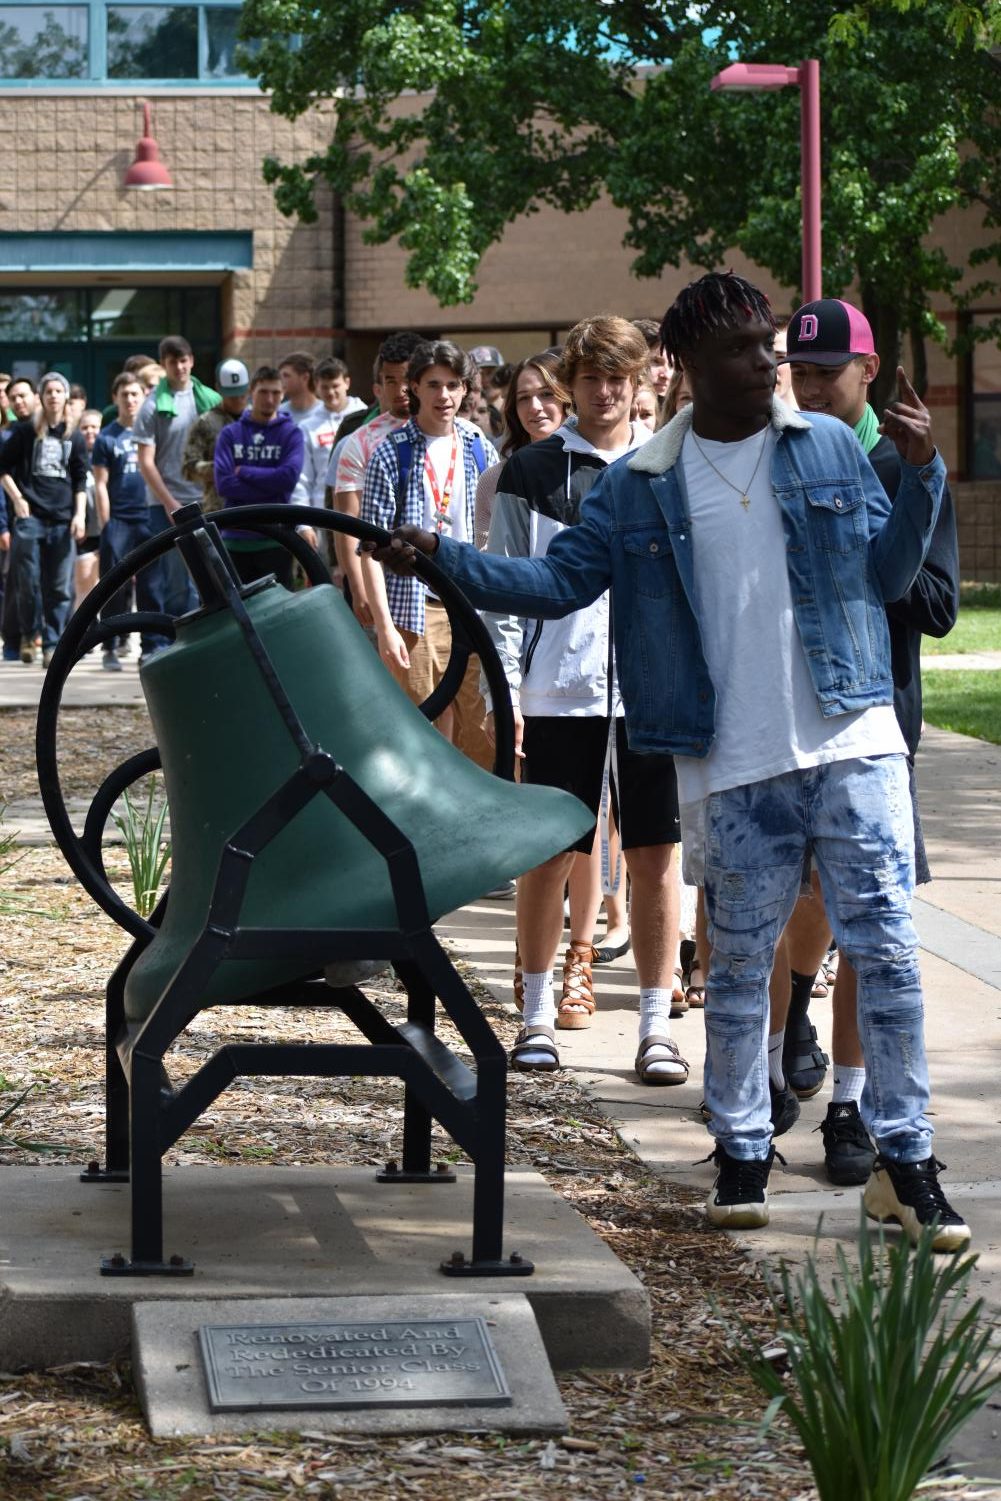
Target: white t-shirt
439 451
768 720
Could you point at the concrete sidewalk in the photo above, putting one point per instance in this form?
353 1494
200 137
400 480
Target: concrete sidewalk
968 661
959 924
88 685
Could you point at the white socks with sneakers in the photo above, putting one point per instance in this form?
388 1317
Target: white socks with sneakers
655 1021
776 1073
848 1084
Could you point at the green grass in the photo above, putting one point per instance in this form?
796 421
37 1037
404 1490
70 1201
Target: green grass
978 627
967 702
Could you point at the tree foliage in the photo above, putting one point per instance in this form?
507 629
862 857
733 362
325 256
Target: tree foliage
451 122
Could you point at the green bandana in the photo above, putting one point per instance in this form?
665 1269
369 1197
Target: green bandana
867 429
205 398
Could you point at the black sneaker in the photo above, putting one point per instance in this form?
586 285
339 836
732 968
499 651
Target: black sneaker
848 1152
785 1108
737 1200
910 1194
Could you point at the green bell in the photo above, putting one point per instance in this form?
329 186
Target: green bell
225 750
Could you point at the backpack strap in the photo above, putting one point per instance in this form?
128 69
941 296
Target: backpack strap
404 464
405 461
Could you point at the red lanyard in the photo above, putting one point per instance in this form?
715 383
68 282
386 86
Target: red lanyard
441 498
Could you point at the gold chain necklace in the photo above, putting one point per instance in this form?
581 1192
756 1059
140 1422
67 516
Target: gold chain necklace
745 499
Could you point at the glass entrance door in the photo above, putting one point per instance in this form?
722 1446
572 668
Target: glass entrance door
87 333
36 360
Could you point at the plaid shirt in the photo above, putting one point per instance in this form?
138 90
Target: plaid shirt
406 596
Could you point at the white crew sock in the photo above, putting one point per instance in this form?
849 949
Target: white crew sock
540 1006
776 1073
655 1021
539 1011
848 1084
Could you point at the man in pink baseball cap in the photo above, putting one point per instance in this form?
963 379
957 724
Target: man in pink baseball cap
833 359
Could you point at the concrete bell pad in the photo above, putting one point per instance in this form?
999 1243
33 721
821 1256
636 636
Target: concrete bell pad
299 1232
170 1377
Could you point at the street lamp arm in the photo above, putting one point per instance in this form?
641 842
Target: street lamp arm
754 76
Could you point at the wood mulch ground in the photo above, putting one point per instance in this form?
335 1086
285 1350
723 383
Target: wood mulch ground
685 1427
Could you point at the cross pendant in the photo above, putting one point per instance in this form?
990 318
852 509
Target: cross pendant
745 501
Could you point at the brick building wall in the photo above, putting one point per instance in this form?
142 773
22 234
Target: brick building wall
978 520
70 152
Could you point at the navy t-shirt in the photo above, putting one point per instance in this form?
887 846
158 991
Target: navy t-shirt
115 450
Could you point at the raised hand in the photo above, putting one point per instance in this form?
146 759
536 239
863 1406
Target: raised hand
406 543
908 423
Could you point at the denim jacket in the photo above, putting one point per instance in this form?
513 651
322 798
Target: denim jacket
849 552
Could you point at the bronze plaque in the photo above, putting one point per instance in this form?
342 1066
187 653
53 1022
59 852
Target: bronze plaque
392 1363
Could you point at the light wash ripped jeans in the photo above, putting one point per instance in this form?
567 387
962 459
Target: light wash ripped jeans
856 818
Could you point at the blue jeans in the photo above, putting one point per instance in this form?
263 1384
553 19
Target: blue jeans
42 555
118 538
856 818
166 584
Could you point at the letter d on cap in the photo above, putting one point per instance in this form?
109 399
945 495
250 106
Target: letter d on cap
808 328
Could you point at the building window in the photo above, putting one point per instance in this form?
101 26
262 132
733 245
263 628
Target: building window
985 406
43 317
94 42
49 41
152 41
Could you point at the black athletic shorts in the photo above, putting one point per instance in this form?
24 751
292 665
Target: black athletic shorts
570 753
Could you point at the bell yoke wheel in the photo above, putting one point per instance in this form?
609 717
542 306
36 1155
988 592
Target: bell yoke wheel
86 630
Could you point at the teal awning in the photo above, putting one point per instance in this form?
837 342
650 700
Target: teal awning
139 250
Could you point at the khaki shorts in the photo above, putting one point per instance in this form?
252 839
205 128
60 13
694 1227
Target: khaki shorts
429 656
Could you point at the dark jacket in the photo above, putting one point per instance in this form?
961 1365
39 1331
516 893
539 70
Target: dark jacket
930 606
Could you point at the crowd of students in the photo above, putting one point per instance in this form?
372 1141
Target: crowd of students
694 687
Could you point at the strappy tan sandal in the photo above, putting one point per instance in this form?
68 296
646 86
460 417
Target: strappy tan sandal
578 988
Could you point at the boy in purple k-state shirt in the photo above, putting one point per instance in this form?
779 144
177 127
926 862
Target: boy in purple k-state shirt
258 461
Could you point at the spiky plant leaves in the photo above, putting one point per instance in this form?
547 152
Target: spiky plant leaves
883 1370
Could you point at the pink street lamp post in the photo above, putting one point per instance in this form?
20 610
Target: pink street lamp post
807 77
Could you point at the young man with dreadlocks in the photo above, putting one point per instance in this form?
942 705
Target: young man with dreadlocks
751 551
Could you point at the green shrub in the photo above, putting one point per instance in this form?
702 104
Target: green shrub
883 1371
148 850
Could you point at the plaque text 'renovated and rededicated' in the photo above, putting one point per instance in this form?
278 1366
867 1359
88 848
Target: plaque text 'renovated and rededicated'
420 1363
